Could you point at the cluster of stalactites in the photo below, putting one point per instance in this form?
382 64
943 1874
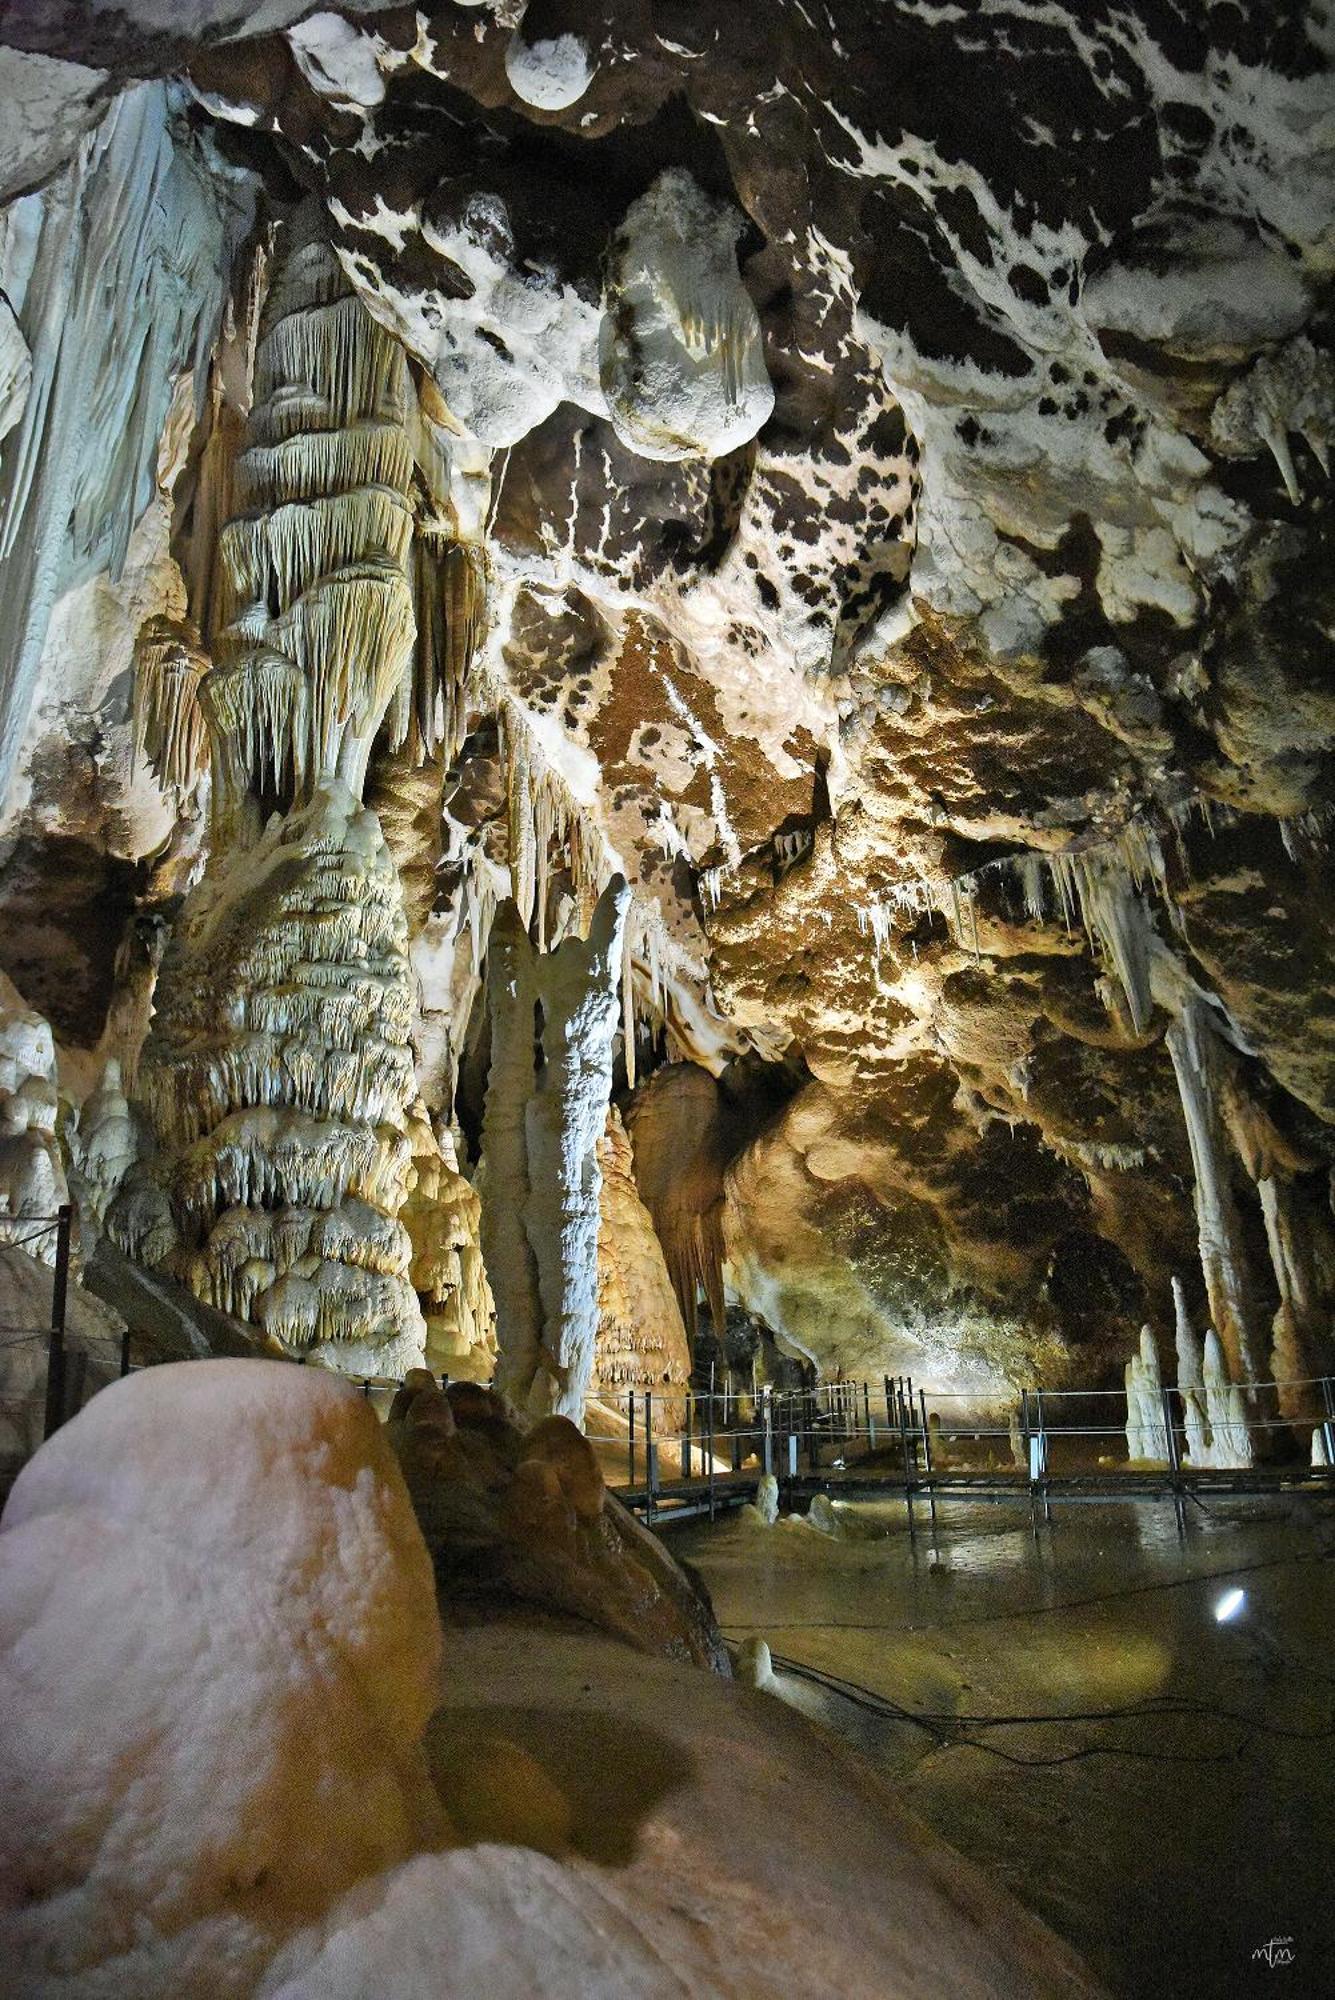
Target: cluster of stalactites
316 620
1103 887
169 734
451 588
550 830
547 824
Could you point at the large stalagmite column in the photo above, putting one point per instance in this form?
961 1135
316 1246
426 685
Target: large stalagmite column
1297 1354
278 1076
1223 1263
540 1150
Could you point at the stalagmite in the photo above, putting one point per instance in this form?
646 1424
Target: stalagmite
1190 1045
1225 1410
103 1145
503 1174
1190 1380
1146 1429
641 1342
540 1150
1300 1332
442 1216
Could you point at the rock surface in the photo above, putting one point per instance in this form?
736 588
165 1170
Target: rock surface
219 1652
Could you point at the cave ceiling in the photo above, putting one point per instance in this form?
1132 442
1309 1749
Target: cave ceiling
896 436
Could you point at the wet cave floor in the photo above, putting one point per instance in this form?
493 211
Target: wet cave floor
1172 1811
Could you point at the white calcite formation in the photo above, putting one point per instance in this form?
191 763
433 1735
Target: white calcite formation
1191 1046
15 369
542 1179
1216 1416
549 74
102 1142
1190 1382
1146 1427
680 354
1290 390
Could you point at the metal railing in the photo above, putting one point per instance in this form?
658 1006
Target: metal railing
680 1451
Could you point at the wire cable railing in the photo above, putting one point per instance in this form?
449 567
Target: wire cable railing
678 1450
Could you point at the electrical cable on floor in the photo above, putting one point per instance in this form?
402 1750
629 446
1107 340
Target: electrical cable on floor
942 1726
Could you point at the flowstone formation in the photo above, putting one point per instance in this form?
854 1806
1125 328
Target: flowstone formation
858 475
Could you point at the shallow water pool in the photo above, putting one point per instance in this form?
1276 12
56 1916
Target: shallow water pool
1168 1802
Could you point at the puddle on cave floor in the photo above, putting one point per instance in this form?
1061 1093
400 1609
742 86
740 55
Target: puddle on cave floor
1190 1840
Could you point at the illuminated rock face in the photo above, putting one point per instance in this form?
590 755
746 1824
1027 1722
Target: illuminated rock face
893 538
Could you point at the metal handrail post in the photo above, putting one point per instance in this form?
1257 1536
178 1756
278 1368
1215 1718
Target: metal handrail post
709 1442
1174 1461
650 1456
55 1351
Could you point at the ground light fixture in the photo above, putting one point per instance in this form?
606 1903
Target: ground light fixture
1229 1605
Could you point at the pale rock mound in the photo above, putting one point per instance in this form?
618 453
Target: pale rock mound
218 1653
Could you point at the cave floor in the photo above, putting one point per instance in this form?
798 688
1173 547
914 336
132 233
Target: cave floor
1170 1844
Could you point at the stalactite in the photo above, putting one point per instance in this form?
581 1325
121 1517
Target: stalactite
317 623
1300 1329
519 818
681 1154
503 1178
1190 1041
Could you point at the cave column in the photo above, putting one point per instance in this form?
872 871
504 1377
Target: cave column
503 1180
541 1175
565 1119
1295 1355
1223 1262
